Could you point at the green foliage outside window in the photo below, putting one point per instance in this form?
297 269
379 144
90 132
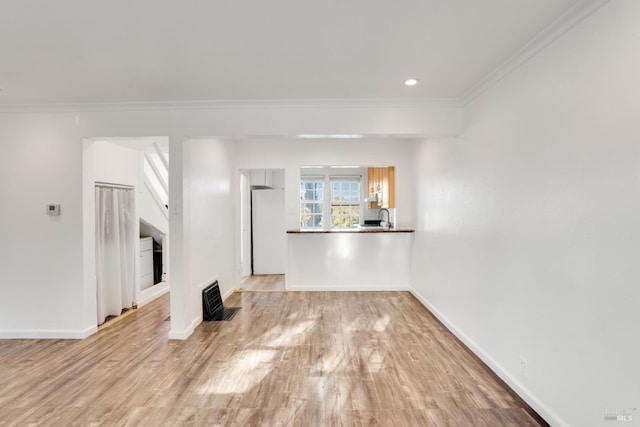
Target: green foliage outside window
345 203
311 199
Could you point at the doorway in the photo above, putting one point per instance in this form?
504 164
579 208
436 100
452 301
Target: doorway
141 166
262 229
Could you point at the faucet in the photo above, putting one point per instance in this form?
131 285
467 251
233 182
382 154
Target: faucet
388 217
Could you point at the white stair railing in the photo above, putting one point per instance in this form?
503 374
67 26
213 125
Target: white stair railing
161 155
156 172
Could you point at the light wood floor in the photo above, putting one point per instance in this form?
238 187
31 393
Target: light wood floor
267 282
286 359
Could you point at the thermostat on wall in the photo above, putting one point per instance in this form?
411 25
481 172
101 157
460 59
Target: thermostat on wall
53 210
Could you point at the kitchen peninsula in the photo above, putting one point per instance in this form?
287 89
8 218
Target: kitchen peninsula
350 259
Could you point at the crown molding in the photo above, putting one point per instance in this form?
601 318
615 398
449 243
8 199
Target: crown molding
230 104
565 22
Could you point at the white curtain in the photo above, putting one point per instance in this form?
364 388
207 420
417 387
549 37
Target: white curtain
115 250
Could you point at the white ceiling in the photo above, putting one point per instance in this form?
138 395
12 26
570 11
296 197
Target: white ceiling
90 51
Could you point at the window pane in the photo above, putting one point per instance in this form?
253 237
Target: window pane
311 194
345 203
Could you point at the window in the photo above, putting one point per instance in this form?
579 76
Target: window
345 202
339 208
311 201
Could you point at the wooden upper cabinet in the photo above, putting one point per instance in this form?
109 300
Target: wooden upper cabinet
382 180
391 187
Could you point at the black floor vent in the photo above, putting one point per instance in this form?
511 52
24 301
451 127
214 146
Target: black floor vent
212 306
225 314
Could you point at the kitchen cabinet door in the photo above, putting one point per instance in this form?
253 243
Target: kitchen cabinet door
382 180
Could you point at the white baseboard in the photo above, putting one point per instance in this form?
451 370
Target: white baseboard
348 288
48 333
228 294
543 410
90 331
153 293
181 335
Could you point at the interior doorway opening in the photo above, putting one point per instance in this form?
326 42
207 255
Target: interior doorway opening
262 229
138 166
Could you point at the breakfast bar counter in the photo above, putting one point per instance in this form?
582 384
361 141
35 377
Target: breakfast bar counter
361 259
353 230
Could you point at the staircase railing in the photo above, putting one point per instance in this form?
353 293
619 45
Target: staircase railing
156 173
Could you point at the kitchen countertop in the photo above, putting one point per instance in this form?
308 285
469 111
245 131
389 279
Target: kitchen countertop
353 230
349 259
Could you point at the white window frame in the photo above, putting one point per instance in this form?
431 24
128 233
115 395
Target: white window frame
332 203
303 202
326 178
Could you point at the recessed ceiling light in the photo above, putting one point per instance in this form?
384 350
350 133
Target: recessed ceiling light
411 82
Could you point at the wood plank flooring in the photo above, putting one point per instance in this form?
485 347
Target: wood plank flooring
286 359
267 282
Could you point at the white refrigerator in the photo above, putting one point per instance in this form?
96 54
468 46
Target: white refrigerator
268 232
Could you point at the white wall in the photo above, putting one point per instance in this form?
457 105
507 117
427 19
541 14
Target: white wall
528 233
209 235
114 164
41 292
